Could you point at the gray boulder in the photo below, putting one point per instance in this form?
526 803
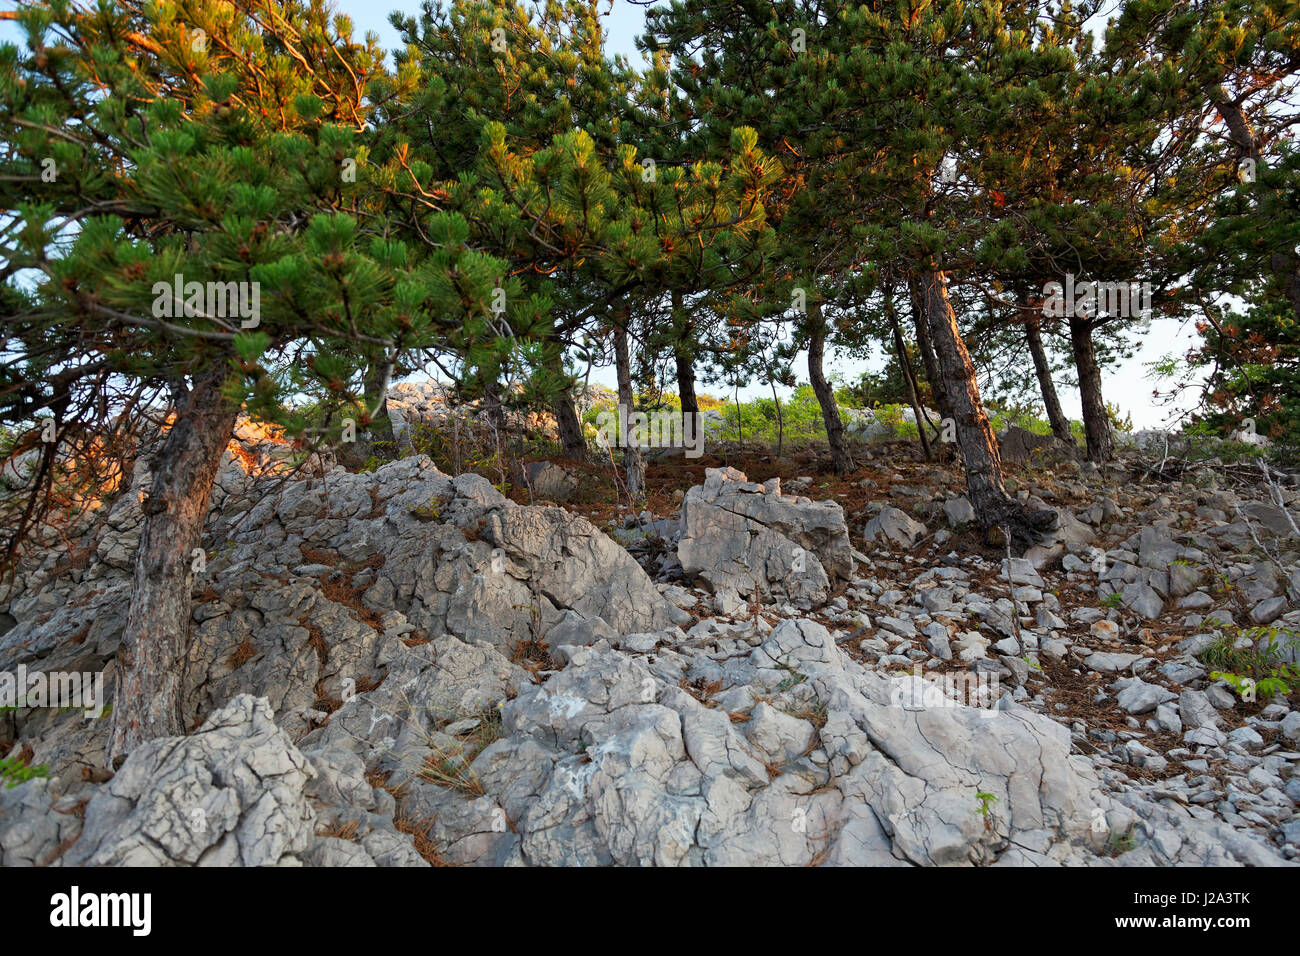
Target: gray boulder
1138 697
1021 446
230 794
35 827
744 536
549 481
959 511
894 526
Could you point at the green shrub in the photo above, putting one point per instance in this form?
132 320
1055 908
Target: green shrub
1255 671
14 770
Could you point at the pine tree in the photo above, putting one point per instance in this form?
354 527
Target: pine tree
863 103
225 151
596 211
1227 69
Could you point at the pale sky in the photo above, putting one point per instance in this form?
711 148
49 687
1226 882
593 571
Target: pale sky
1126 385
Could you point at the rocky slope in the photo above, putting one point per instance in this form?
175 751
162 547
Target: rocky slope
404 668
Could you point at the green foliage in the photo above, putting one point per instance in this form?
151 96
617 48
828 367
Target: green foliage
757 420
1119 420
892 417
1256 661
888 387
1002 418
793 679
14 770
986 801
240 165
1205 442
1121 843
1231 200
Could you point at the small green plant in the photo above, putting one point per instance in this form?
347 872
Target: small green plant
451 770
1119 420
1113 600
430 511
1121 843
1224 654
795 678
14 770
817 714
1259 667
1207 440
986 801
892 417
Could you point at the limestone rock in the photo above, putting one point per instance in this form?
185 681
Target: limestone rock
230 794
894 526
744 536
549 481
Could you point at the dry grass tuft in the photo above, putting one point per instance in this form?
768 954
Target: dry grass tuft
534 656
452 772
242 654
418 831
342 831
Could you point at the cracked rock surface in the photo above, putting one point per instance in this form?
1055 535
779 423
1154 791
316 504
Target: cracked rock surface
748 537
401 668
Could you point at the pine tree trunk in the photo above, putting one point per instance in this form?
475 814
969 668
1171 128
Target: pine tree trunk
780 420
926 348
151 663
376 394
568 426
686 385
1096 420
495 411
994 508
1043 369
685 365
633 461
841 458
905 365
